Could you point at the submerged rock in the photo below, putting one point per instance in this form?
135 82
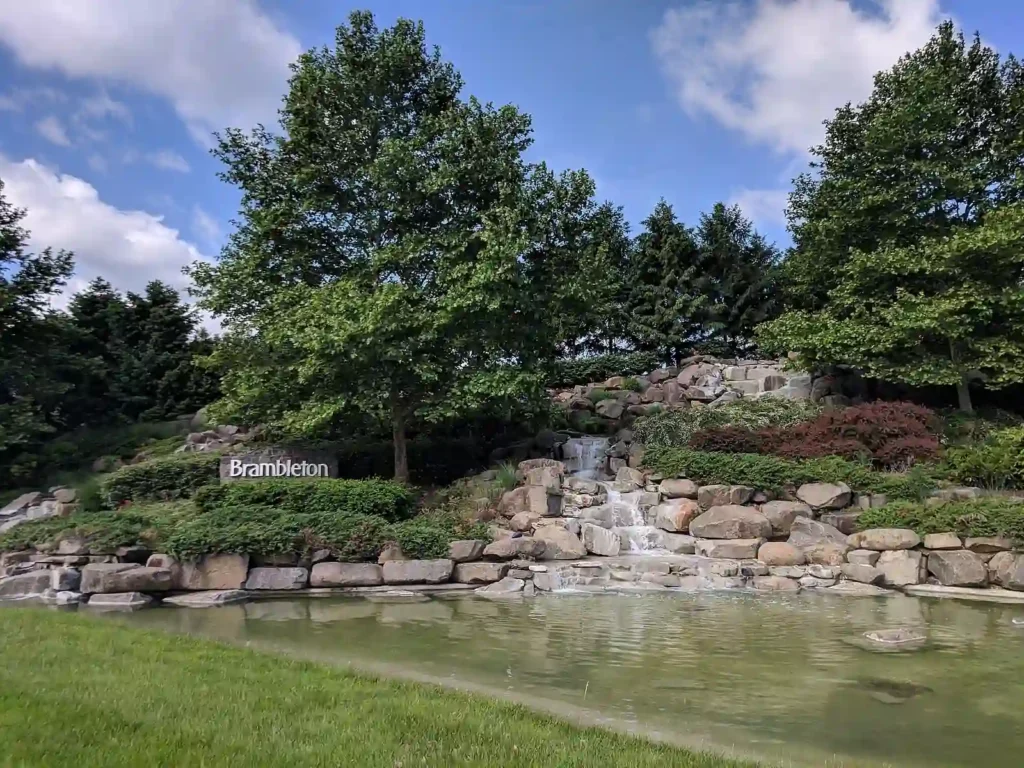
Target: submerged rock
890 640
891 691
208 599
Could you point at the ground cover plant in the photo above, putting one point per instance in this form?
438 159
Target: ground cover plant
206 703
975 517
171 477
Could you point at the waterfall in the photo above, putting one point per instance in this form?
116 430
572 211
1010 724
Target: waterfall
585 457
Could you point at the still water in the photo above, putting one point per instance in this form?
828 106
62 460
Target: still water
754 675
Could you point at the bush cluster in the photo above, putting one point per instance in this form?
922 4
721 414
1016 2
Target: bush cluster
675 428
891 435
164 479
775 473
381 498
977 517
587 370
997 463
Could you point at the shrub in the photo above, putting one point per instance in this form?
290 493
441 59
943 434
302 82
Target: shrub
428 535
382 498
585 370
978 517
147 525
632 384
506 479
775 473
998 463
174 477
677 427
597 395
889 434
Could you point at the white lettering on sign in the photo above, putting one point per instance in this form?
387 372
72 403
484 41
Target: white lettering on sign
279 468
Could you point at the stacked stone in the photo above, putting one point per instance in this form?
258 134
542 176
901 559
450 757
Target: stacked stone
57 502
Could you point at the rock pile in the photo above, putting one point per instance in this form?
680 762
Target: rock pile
218 438
57 502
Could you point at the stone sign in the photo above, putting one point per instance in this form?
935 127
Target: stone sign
278 463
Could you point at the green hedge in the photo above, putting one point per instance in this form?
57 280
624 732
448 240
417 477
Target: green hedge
173 477
382 498
977 517
144 524
774 473
588 370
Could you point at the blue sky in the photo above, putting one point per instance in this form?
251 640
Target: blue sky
106 106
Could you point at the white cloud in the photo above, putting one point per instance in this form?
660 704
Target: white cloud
775 69
97 162
168 160
206 227
763 206
52 129
128 248
100 106
220 62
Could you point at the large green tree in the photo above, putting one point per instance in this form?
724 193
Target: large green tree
31 340
395 254
907 233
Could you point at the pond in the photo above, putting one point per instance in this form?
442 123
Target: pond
773 677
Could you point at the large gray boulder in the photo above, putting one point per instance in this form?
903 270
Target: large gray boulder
525 547
883 539
731 549
466 550
418 571
806 532
119 601
560 543
863 556
825 553
109 578
673 488
781 514
277 578
346 575
731 522
25 584
679 543
723 495
780 553
215 572
825 495
676 515
942 541
601 541
958 568
863 574
544 502
507 587
479 573
987 544
900 567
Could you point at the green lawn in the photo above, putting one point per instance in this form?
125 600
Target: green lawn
82 691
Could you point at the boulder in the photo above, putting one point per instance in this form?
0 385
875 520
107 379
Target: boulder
723 495
857 589
466 550
825 495
560 543
884 539
346 575
863 574
571 524
806 532
514 501
215 572
25 584
277 578
65 579
210 599
676 515
788 571
119 601
544 502
780 553
583 486
603 516
545 477
659 375
825 553
503 588
1001 568
900 567
731 522
510 548
73 545
679 543
418 571
65 495
844 522
862 557
775 584
984 544
733 549
524 521
21 503
942 541
394 552
674 488
628 479
109 578
610 408
781 515
600 541
958 568
815 582
525 466
479 573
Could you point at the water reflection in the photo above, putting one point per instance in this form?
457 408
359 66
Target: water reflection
770 675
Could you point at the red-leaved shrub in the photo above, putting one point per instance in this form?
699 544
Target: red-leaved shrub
888 434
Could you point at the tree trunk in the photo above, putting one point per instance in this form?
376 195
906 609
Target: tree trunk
963 394
400 444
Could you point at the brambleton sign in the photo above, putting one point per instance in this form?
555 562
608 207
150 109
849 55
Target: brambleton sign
280 463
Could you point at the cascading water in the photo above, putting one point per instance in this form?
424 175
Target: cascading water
586 458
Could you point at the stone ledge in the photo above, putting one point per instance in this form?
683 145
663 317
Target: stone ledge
990 594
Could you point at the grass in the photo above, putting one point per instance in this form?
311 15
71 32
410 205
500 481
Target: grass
83 691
